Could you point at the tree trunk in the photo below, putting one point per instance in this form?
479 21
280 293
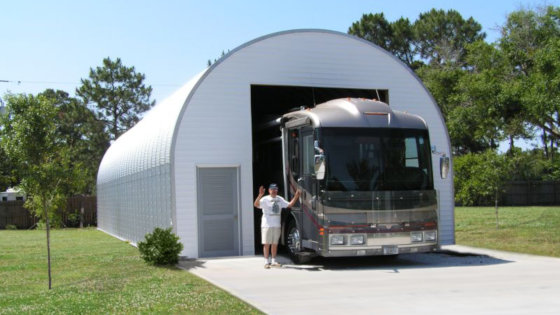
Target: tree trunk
552 149
545 143
81 211
496 210
511 145
48 241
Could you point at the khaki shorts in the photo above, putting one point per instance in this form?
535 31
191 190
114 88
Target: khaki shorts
270 235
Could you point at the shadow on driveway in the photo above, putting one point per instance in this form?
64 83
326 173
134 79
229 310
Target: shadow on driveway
188 264
440 259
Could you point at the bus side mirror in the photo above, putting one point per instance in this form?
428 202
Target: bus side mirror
320 166
444 166
319 161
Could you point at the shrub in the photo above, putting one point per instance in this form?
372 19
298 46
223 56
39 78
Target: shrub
41 225
161 247
73 219
11 227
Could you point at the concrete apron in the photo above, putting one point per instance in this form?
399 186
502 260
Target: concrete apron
457 280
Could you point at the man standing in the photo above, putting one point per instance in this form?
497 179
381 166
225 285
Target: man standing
272 206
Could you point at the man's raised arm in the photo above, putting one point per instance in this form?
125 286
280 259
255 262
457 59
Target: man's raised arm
293 201
257 203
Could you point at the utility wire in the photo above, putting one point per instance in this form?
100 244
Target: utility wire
74 83
10 81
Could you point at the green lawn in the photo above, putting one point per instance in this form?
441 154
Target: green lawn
97 274
530 230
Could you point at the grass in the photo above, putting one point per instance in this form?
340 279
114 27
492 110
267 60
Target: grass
94 273
530 230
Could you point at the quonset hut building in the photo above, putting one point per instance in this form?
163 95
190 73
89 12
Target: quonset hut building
190 162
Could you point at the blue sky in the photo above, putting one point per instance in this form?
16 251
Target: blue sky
53 44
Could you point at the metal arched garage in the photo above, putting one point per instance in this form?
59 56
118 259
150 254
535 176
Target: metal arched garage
190 162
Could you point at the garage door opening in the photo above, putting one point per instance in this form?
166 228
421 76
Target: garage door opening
269 103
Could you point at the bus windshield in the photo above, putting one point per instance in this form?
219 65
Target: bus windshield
377 159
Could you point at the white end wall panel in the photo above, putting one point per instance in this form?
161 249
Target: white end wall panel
216 125
213 125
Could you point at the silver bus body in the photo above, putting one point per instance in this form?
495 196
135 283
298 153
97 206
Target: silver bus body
366 176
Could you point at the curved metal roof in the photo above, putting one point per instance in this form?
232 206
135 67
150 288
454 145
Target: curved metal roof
148 144
151 141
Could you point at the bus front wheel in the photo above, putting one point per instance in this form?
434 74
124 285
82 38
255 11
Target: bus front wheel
293 241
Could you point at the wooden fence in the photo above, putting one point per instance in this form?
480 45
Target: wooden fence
81 211
531 193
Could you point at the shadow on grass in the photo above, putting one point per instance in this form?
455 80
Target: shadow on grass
538 219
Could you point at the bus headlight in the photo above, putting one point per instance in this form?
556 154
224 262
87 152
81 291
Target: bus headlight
357 240
416 236
337 239
430 236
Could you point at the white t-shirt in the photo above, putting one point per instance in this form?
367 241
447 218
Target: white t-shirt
272 208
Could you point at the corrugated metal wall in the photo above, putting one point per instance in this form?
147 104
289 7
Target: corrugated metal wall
134 182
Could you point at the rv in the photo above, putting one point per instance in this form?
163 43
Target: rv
367 181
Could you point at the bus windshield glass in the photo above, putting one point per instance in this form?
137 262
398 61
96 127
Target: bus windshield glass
377 159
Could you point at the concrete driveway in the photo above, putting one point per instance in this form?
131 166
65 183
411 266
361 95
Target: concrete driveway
458 280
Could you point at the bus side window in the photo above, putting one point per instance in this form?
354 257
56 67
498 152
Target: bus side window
308 154
293 151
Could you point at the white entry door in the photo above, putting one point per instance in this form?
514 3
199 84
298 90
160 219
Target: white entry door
218 211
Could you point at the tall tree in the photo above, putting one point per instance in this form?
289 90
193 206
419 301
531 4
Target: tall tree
441 36
118 95
29 138
442 83
485 94
396 37
403 43
529 44
542 89
374 28
210 62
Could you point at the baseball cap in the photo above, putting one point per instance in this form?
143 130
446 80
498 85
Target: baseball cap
273 186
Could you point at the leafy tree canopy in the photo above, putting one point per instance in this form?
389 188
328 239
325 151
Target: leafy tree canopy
396 37
441 36
82 133
43 162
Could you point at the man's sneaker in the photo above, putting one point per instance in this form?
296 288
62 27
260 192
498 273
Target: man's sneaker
276 265
266 266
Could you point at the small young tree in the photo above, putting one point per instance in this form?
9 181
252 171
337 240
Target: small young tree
495 173
28 136
480 177
83 135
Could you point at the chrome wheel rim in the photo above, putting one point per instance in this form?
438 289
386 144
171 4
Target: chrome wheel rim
294 240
